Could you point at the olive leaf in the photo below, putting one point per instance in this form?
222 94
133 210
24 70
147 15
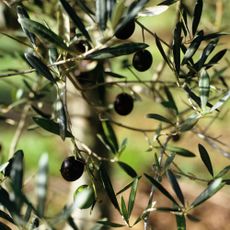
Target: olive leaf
116 51
75 18
204 87
159 118
197 15
181 222
180 151
127 168
205 158
101 13
176 47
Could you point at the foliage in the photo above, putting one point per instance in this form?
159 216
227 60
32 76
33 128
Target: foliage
57 46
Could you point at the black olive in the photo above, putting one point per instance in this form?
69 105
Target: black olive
123 104
142 60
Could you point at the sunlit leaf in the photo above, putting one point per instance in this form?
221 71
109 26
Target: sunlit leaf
101 13
39 66
119 50
132 196
42 183
152 11
204 87
205 158
221 102
224 171
197 15
213 188
50 126
43 32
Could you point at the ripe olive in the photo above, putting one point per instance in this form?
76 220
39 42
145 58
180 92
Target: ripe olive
142 60
176 137
126 31
123 104
72 169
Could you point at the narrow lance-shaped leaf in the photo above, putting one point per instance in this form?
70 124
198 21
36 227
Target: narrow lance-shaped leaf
206 159
124 210
175 186
170 98
82 4
110 136
160 48
75 18
4 226
116 51
158 117
110 6
42 183
108 186
22 13
221 101
7 217
217 57
162 189
50 126
181 222
204 88
128 169
132 196
206 52
189 123
197 15
213 188
193 47
39 66
107 223
101 13
180 151
176 47
224 171
43 32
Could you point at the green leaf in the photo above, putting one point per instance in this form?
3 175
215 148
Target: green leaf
128 169
176 47
163 54
22 13
75 18
39 66
132 196
181 222
205 54
221 102
206 159
108 186
161 189
117 13
204 88
110 136
193 47
213 188
216 58
197 15
42 183
223 171
170 99
101 13
189 123
124 211
175 186
115 75
50 126
134 8
126 187
180 151
169 160
158 117
116 51
43 32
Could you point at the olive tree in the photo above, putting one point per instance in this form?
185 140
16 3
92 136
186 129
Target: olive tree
71 50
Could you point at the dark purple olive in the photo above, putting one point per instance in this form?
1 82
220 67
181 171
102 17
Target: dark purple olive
142 60
123 104
126 31
72 169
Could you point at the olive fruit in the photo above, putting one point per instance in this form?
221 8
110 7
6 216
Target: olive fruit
84 196
126 31
142 60
176 137
72 169
123 104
